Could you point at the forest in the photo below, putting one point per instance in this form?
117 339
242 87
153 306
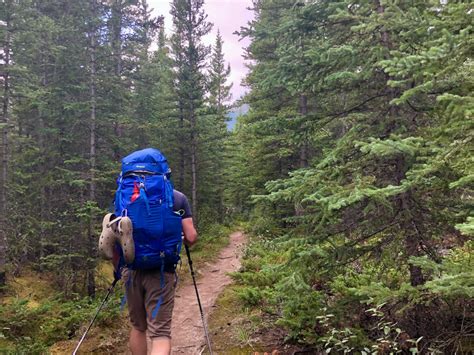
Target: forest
352 173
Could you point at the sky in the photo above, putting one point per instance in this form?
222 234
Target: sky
227 16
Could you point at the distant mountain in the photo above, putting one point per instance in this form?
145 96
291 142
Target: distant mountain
234 113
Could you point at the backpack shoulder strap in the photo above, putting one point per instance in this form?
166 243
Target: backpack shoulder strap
168 192
118 195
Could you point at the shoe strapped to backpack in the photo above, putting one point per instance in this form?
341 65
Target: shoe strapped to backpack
117 230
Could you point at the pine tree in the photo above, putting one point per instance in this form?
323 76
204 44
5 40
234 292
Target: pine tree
219 91
149 80
7 9
371 86
190 25
163 102
271 143
65 128
93 138
215 136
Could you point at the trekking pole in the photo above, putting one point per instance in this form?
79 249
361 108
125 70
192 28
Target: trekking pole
199 301
96 314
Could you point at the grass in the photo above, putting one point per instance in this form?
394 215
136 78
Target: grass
232 327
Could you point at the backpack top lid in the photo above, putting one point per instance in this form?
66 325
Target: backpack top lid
146 160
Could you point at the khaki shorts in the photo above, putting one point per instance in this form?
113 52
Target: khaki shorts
143 290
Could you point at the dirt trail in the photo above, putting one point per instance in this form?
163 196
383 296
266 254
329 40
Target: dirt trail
187 330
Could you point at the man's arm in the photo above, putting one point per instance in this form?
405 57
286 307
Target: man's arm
182 205
190 233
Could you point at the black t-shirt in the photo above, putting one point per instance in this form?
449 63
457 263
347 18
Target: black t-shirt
181 204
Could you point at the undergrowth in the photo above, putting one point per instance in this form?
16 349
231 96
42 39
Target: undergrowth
365 307
32 326
30 330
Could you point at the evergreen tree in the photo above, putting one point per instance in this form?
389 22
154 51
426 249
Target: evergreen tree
267 133
66 131
7 10
214 140
190 25
164 111
219 91
93 137
360 90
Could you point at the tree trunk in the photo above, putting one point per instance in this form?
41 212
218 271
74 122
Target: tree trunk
303 154
182 157
194 179
116 30
4 152
303 110
381 10
412 239
194 166
44 201
92 153
117 8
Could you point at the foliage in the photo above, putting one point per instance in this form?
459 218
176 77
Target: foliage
353 167
390 339
359 144
87 88
34 328
211 240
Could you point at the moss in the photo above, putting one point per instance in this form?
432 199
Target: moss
29 286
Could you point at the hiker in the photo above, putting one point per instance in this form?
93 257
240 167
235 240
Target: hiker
153 221
145 290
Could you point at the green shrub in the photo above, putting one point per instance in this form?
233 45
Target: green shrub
251 296
34 329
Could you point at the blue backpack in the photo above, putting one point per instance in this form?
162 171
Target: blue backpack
145 194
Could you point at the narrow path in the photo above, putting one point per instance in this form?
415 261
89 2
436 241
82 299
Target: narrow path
187 329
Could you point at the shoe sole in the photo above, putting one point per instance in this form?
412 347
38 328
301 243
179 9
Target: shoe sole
125 238
107 238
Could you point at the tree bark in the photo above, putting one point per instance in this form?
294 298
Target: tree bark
412 239
303 152
303 110
116 30
4 150
194 165
92 152
44 201
117 8
182 161
381 10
